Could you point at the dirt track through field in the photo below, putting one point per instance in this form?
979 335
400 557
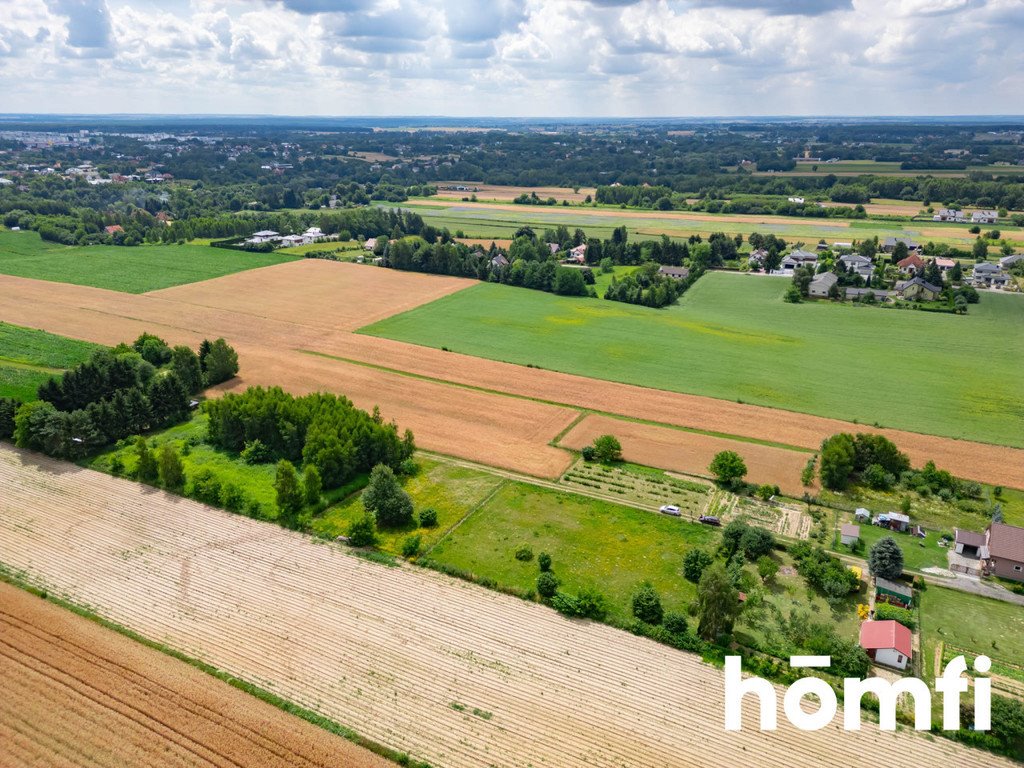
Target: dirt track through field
76 693
448 671
691 452
484 426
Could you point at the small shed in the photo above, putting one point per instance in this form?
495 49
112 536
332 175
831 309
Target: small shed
893 592
897 521
849 534
862 515
887 642
968 543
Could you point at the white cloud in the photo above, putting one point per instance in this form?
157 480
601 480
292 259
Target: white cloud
506 57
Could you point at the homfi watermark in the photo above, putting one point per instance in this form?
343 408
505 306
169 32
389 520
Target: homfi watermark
951 685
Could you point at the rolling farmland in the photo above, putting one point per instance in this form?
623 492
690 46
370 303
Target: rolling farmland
29 357
119 268
732 336
447 671
493 412
76 693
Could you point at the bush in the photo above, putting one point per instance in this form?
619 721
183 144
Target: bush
362 532
544 562
607 449
146 468
256 452
676 623
694 563
411 546
409 468
428 518
547 585
8 408
647 604
170 467
885 612
524 553
204 486
385 499
588 453
232 498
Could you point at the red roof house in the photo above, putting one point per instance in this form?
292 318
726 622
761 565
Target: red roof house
114 228
887 642
913 263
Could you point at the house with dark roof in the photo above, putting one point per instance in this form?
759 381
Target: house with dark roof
1008 261
822 284
1003 552
676 273
917 289
893 593
984 217
499 261
911 265
889 244
859 265
989 275
948 214
798 258
887 642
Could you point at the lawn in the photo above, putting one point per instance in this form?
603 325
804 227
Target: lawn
917 553
603 279
733 337
131 270
29 357
592 544
971 623
450 490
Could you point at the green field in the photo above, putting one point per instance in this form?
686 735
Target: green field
592 544
131 270
972 623
478 221
733 337
29 357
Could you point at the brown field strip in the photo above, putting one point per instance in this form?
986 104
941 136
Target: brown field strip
691 452
445 670
499 192
76 693
470 427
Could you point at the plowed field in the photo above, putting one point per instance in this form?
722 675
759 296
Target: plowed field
76 693
450 672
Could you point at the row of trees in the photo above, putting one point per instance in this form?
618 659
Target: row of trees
321 429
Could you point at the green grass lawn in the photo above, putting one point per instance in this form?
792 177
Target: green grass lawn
973 623
733 337
29 357
603 279
592 544
917 553
450 490
131 270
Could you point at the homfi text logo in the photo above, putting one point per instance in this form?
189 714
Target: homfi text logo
951 685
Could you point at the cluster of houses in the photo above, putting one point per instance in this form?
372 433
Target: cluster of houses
311 235
977 217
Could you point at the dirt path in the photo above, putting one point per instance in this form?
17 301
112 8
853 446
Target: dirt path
76 693
445 670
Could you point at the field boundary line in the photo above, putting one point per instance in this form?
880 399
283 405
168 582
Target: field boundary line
544 401
465 517
331 726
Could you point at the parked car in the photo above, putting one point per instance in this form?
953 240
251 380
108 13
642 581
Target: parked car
710 520
671 509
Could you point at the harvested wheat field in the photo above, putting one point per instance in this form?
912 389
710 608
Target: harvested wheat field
270 345
503 193
319 293
76 693
445 670
691 452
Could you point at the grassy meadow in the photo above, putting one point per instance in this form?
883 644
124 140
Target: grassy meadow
130 270
733 337
29 357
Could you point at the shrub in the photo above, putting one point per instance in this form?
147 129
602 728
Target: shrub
676 623
170 467
544 562
232 498
362 532
694 563
647 604
146 468
428 518
884 612
311 485
385 499
256 452
204 486
409 468
8 408
547 585
411 546
607 449
588 453
524 553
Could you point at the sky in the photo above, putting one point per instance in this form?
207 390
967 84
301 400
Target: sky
552 58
